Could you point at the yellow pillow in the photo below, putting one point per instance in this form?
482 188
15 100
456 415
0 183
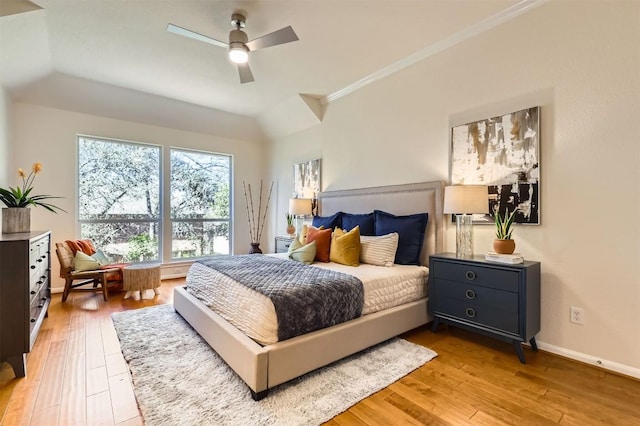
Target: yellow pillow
345 247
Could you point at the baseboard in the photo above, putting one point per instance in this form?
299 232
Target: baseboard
591 360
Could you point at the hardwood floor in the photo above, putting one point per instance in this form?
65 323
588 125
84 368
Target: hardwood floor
77 376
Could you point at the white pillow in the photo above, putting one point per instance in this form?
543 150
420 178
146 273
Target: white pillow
84 262
380 251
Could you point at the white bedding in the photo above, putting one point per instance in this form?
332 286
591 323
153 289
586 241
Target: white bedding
254 314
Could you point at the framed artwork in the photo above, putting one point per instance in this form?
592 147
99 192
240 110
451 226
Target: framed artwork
503 153
306 181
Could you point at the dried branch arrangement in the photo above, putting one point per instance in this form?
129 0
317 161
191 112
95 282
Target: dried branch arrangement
256 227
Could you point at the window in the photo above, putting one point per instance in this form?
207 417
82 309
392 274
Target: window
119 198
120 201
200 204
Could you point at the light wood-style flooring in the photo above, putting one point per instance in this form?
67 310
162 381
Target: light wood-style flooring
77 376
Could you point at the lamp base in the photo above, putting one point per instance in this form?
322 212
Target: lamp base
464 235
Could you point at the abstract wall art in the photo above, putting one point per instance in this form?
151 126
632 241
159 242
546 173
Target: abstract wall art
502 152
306 181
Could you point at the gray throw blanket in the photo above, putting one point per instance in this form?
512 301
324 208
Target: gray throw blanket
305 298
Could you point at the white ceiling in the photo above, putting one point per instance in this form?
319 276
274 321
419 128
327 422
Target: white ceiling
124 43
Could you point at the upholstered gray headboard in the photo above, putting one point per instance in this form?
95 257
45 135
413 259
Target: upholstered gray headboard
425 197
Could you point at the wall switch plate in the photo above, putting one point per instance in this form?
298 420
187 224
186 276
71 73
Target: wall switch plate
577 315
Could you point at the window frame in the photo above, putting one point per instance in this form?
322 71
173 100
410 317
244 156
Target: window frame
170 221
165 221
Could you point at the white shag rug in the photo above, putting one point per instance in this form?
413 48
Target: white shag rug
179 380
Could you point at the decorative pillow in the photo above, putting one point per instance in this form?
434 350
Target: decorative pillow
364 221
380 251
330 222
410 229
322 237
302 253
84 262
100 257
345 247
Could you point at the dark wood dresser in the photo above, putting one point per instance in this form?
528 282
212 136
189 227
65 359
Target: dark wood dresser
25 294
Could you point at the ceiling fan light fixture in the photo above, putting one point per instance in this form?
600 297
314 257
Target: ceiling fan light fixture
238 53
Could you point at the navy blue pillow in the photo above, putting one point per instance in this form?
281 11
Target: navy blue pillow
410 228
366 221
329 222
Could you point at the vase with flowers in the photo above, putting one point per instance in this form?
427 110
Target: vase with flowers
503 244
16 216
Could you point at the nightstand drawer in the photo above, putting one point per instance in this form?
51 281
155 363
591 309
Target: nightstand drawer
473 313
474 295
282 244
468 273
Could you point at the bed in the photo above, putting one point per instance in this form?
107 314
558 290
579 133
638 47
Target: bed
264 366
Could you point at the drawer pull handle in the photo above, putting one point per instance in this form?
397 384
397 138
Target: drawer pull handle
33 266
33 320
40 306
470 294
470 275
43 256
470 312
33 292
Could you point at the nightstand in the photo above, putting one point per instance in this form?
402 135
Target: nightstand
283 243
495 299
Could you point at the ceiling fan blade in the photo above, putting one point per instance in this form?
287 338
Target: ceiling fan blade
245 73
188 33
284 35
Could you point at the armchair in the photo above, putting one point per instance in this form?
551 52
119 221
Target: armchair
94 280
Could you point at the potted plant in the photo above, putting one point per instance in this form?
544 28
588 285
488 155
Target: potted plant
290 228
503 243
16 215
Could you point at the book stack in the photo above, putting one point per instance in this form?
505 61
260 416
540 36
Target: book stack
504 258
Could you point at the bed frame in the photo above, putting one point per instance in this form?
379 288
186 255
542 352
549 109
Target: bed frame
263 367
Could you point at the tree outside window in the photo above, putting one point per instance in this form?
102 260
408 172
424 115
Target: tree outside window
120 202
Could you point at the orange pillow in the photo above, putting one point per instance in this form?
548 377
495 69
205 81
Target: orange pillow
322 237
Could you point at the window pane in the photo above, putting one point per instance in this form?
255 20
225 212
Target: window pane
196 238
118 180
124 242
199 185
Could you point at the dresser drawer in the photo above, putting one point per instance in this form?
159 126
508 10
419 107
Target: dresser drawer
468 273
474 295
476 314
38 303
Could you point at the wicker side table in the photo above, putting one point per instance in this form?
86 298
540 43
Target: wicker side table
141 277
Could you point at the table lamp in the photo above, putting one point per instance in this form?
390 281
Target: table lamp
463 201
299 208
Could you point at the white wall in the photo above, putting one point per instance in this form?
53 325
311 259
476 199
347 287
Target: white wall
581 63
5 104
49 135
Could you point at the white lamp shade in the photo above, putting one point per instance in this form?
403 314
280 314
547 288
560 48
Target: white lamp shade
299 206
465 199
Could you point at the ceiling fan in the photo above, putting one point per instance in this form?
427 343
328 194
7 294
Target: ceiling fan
238 45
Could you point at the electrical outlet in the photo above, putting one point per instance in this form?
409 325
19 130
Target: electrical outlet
577 315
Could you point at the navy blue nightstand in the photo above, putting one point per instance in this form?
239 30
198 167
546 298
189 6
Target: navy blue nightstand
495 299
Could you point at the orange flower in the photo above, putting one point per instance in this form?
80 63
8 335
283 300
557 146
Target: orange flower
21 173
37 167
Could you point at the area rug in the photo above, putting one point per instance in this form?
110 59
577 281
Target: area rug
179 380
